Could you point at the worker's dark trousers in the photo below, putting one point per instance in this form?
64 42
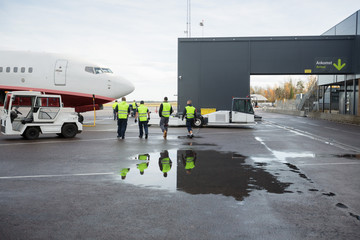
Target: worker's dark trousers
189 123
164 123
115 114
142 125
122 124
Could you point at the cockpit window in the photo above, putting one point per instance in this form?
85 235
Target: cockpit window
106 70
89 69
97 70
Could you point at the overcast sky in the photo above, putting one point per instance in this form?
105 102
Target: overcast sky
137 39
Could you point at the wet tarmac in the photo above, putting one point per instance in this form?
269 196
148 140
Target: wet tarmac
285 178
202 172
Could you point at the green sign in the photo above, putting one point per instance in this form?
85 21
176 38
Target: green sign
339 66
330 65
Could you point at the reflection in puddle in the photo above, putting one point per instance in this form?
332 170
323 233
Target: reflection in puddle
199 144
202 172
165 163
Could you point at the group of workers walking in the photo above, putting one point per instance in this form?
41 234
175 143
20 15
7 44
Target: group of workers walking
141 113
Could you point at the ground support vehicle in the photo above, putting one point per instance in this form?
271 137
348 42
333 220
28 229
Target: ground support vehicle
28 114
241 114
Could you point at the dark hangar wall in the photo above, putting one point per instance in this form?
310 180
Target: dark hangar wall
213 70
209 72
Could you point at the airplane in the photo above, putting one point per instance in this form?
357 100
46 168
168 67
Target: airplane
77 81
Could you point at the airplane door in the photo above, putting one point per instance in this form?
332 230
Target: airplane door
60 72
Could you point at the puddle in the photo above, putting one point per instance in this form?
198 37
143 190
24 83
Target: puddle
330 194
295 169
355 216
201 172
341 205
313 190
199 144
186 137
348 156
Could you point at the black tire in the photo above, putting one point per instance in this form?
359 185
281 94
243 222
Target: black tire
69 130
31 133
198 122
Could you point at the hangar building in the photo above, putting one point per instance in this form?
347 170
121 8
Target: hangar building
213 70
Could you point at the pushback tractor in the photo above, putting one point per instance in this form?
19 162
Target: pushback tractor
28 114
241 115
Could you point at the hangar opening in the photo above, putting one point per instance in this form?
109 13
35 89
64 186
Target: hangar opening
213 70
280 91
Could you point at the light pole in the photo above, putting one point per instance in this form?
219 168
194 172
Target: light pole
188 18
202 28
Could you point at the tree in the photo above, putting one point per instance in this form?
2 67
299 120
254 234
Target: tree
300 87
311 81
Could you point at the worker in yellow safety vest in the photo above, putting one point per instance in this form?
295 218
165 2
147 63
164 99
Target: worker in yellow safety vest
189 112
134 107
123 112
143 115
113 107
165 110
189 160
165 163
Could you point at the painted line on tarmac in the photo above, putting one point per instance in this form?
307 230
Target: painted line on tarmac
64 141
102 130
331 128
58 175
312 124
315 164
328 141
327 164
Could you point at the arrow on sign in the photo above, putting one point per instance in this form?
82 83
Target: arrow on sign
339 66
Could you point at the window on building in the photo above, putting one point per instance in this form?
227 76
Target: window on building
22 69
30 69
7 69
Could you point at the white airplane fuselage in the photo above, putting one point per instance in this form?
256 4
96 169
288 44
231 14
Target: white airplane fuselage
74 79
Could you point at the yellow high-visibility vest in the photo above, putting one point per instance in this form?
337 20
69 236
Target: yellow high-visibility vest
166 109
190 112
123 110
142 110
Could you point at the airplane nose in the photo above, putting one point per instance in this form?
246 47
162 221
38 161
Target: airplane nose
129 86
121 87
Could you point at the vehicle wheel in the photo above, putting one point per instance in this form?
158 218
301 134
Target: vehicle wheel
69 130
198 122
31 133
